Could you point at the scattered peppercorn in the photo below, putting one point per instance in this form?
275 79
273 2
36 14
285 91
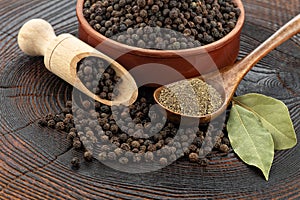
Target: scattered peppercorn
193 157
77 144
71 135
88 155
43 122
75 162
163 161
224 148
51 123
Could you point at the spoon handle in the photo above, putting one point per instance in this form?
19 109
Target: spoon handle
233 75
284 33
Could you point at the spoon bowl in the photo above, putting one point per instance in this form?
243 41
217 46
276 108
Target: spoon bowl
176 116
227 79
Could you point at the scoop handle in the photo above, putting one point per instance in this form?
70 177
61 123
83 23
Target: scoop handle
35 36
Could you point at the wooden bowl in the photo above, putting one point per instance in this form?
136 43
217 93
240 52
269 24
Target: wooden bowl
166 66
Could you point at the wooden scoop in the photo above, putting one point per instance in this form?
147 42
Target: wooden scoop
230 76
62 53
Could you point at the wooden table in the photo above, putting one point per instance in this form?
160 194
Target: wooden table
34 161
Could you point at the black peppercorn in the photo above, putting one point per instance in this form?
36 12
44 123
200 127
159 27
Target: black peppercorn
192 148
194 157
172 3
151 147
112 156
172 157
125 146
163 161
75 162
137 158
135 144
135 150
141 3
231 25
71 135
123 160
224 148
173 14
102 156
43 122
198 20
77 144
149 156
141 44
129 155
88 156
51 123
114 128
60 126
155 8
106 126
143 13
105 148
203 162
104 138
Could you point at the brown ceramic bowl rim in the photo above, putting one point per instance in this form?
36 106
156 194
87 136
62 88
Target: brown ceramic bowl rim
162 53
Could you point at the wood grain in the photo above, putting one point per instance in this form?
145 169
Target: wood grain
34 161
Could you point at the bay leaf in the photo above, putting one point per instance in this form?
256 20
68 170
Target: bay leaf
250 140
274 116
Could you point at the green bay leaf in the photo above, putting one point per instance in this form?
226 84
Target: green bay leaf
274 116
250 140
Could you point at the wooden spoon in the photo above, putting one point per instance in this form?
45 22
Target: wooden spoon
62 53
231 76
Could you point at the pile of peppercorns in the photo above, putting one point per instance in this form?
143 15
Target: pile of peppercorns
135 134
162 24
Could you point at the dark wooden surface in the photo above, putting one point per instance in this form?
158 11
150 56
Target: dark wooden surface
34 161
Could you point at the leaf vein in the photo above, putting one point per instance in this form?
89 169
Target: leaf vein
262 118
246 130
